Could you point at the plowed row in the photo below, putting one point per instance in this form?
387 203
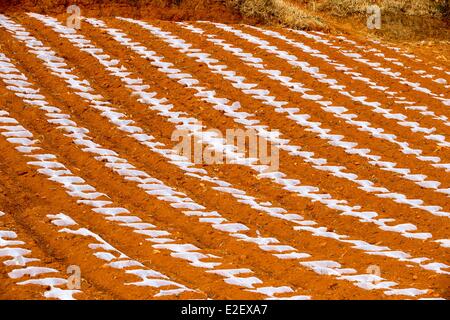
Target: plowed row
358 208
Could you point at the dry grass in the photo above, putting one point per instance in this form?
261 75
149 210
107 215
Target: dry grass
433 8
276 12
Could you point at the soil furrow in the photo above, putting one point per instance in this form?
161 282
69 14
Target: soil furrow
134 244
29 260
396 54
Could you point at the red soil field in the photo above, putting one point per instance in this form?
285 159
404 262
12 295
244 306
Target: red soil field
90 180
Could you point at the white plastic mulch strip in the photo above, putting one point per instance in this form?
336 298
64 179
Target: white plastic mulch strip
23 265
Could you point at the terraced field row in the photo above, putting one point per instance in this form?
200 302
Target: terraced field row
97 202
